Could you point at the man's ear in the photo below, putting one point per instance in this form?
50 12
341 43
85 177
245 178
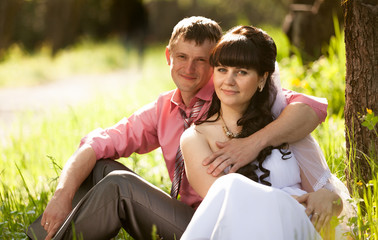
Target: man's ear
168 56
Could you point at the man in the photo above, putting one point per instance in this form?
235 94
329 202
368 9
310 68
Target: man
121 198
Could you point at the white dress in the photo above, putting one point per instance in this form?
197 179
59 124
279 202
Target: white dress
238 208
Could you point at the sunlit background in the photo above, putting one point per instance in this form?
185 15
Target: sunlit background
59 53
68 67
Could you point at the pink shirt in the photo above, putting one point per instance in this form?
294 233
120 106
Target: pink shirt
160 124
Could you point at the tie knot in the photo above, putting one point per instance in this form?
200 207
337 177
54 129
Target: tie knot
193 113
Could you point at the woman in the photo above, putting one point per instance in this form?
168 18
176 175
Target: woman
236 207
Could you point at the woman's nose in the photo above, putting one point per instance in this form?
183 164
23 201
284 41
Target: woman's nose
230 79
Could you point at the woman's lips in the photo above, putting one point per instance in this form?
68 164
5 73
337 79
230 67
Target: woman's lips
229 92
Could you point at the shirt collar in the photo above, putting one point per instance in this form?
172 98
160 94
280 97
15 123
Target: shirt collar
205 93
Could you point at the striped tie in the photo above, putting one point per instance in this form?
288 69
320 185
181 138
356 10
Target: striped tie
179 165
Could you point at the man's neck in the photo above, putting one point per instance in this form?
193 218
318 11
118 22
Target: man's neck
186 98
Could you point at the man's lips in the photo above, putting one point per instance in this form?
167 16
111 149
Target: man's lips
188 77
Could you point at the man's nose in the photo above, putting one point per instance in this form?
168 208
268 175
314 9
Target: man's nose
190 66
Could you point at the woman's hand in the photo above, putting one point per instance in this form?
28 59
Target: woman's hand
55 213
322 205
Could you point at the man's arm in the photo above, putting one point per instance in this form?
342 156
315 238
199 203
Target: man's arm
134 134
76 170
295 122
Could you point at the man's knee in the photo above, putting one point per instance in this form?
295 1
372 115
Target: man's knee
105 166
121 181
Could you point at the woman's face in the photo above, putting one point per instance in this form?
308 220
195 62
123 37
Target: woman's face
235 86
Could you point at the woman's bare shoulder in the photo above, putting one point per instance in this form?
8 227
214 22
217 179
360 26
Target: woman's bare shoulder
193 134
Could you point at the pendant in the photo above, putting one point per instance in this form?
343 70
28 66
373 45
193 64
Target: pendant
228 133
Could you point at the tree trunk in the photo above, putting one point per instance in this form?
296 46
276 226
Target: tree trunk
309 25
8 14
361 91
62 22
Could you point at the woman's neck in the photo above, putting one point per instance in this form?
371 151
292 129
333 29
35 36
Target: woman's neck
230 118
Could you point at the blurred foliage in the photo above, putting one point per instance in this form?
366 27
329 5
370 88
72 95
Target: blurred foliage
32 23
35 23
324 77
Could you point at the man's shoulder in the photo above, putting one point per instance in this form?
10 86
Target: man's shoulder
166 95
163 101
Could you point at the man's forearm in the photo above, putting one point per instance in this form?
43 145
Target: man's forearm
76 170
295 122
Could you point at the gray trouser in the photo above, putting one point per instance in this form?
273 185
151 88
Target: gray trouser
113 197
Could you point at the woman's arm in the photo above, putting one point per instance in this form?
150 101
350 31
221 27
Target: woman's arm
195 148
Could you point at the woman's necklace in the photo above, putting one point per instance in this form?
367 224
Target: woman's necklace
228 133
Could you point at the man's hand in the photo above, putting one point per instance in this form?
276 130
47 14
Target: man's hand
55 213
76 170
236 153
322 205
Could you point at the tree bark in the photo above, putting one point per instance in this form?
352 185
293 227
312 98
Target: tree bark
361 91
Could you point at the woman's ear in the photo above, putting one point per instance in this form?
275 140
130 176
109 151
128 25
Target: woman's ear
168 56
262 81
264 78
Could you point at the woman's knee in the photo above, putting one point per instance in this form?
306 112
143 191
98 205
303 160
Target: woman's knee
235 183
230 180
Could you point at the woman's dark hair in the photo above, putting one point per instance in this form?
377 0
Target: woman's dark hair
251 48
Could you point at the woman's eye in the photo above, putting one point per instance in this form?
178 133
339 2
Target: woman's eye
220 69
242 72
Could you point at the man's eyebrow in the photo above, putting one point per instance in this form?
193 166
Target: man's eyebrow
203 56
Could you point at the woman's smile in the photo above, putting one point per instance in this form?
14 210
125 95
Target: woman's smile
229 91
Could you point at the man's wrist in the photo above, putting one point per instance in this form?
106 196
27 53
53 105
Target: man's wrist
64 193
260 140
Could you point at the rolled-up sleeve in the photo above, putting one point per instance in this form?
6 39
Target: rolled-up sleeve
137 133
319 105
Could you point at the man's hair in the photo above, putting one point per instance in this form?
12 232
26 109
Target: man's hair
198 29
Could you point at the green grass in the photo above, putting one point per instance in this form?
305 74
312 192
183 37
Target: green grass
30 161
20 68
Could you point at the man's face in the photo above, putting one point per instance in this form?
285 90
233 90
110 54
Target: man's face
190 68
